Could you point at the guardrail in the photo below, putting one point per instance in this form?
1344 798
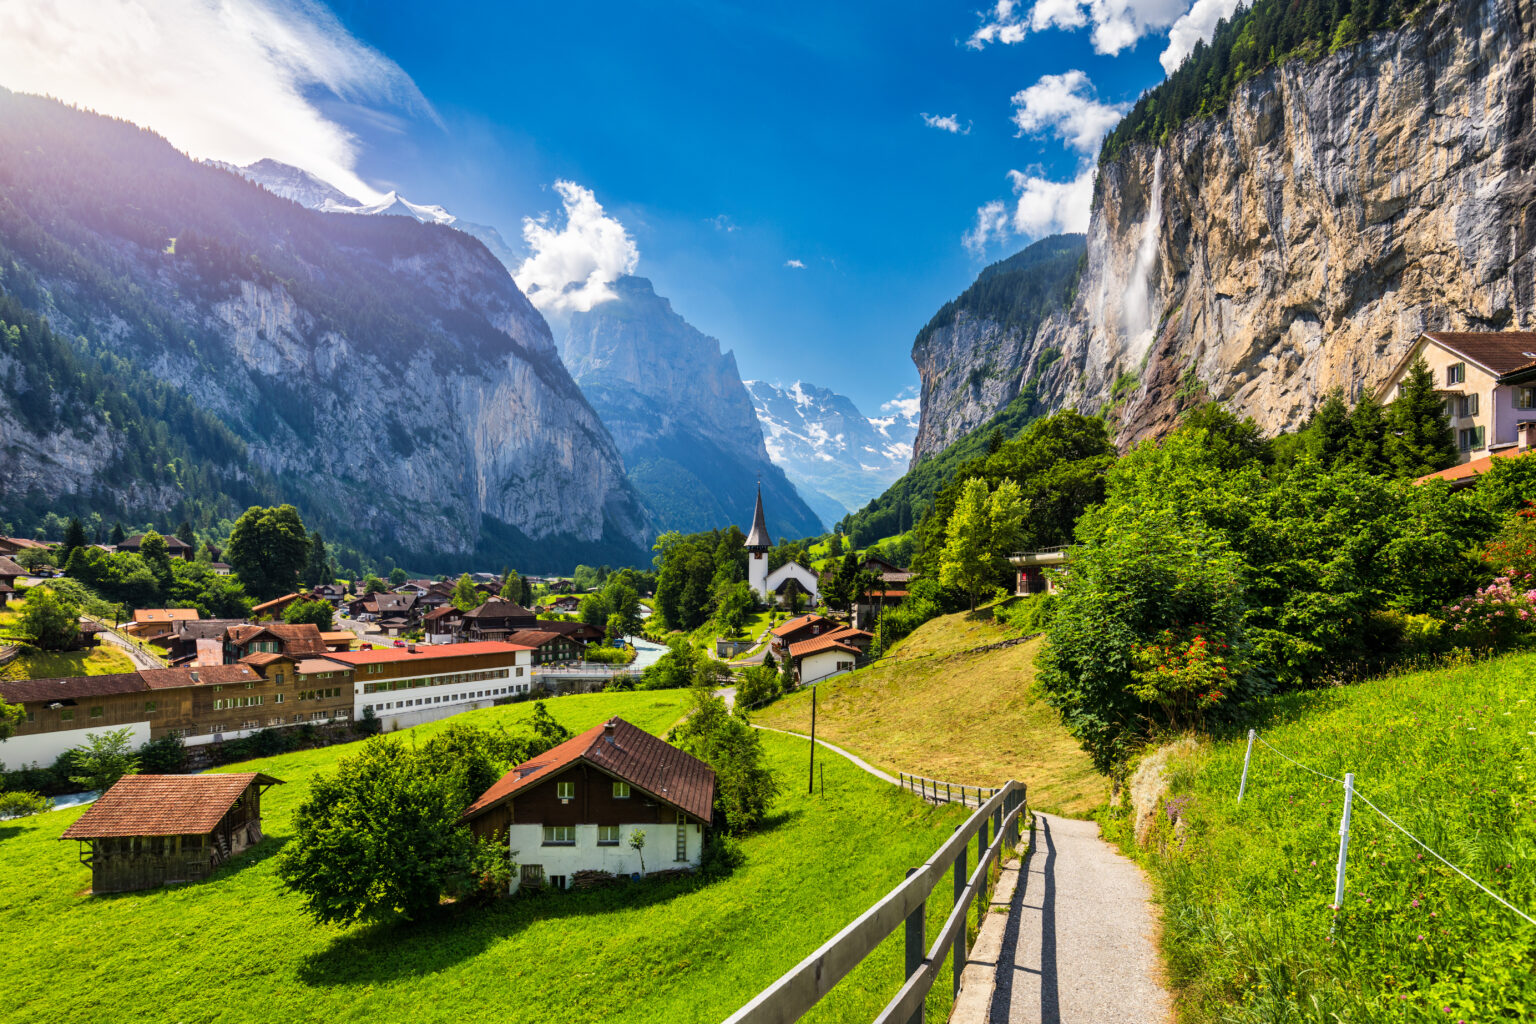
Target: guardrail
944 792
131 641
585 668
1041 551
793 995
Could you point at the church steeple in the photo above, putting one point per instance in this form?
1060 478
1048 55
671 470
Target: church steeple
757 538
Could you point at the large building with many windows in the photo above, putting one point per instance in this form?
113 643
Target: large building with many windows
405 686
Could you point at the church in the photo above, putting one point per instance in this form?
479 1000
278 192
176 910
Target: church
762 581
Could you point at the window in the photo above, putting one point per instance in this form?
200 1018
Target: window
1525 398
1456 373
96 711
278 679
249 685
621 791
1469 405
1472 439
558 881
277 698
565 790
217 689
150 707
607 835
560 835
519 673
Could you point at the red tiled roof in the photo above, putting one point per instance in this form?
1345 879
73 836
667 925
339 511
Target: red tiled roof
144 616
646 762
1468 470
379 655
275 603
820 643
1499 351
70 687
885 593
799 622
164 805
208 675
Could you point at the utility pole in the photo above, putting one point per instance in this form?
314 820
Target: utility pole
811 788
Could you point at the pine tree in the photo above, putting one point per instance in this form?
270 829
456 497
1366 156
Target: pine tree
1421 439
1328 433
185 534
465 595
317 567
1368 435
74 537
118 536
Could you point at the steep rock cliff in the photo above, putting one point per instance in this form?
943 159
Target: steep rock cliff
677 408
387 374
1302 240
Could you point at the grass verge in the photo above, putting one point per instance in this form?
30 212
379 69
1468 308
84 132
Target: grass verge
1247 889
237 947
98 661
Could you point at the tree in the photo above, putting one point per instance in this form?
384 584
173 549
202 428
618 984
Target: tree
637 843
673 670
318 612
982 531
317 565
118 534
546 730
157 555
465 595
397 576
379 838
104 758
512 587
185 534
163 756
267 549
74 539
733 603
1421 439
1367 446
744 785
52 622
373 585
11 717
1328 433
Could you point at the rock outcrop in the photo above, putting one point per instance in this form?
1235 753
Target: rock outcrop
1301 241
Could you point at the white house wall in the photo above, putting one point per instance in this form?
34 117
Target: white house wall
823 664
799 573
527 845
44 748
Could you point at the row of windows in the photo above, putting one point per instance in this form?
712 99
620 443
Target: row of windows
565 835
567 790
334 691
452 679
450 698
277 720
228 703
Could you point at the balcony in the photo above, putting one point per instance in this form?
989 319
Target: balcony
1043 556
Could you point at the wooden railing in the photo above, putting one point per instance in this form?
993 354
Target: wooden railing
793 995
946 792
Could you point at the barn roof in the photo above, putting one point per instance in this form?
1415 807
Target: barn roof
164 805
632 755
70 687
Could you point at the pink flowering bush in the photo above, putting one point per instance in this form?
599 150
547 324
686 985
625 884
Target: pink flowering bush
1498 616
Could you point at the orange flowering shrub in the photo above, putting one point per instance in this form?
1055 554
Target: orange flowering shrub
1185 672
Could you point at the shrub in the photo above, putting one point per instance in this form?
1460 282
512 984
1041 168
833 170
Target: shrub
51 621
1027 615
757 686
1495 617
722 855
164 756
1512 551
610 655
104 758
19 804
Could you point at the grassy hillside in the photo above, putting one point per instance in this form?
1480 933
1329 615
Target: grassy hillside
1450 755
933 709
238 947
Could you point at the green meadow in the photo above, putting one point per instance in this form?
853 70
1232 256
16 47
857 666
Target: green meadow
238 947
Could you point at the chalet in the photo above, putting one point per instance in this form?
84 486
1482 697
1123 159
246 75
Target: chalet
496 619
197 640
405 686
569 604
443 625
296 639
57 714
874 601
221 568
10 572
1487 381
578 631
379 607
16 545
177 547
1031 568
801 627
548 646
340 640
274 608
158 623
334 593
830 654
152 830
574 808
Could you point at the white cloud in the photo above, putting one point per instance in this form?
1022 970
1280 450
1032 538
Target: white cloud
991 223
723 222
1046 207
572 266
906 405
1117 24
1197 23
220 79
1067 106
947 122
794 264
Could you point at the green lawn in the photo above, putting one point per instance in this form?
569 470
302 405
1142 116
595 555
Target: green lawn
1450 754
237 947
98 661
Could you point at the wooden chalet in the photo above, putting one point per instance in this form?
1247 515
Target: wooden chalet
496 619
152 830
174 545
801 627
547 645
274 608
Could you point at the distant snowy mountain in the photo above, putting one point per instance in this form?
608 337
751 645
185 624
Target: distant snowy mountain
828 448
307 190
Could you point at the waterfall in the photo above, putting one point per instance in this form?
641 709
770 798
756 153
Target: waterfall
1136 306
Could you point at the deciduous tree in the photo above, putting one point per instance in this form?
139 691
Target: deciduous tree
267 549
52 622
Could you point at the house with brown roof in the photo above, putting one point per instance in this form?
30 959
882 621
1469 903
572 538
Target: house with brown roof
10 572
16 545
274 608
548 646
177 547
299 638
442 625
573 808
801 627
154 623
153 830
1487 380
830 654
496 619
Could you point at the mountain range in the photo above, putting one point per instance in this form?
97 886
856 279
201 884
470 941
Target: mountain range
837 457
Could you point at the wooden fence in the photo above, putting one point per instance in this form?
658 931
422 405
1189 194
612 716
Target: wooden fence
946 792
793 995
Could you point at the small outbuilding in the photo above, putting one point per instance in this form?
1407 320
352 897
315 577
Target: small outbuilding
152 830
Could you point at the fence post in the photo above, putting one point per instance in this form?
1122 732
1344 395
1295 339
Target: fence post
915 946
981 859
1241 786
1338 885
959 959
946 793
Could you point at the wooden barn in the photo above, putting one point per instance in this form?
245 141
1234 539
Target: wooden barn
151 830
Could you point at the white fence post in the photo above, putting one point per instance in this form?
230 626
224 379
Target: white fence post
1338 885
1241 786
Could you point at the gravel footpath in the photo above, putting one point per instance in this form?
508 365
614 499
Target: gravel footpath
1077 945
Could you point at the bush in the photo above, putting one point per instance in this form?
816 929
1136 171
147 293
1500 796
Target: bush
610 655
1026 615
1512 551
757 687
19 804
1496 617
722 855
51 622
164 756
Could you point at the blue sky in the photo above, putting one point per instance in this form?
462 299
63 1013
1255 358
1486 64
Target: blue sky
771 167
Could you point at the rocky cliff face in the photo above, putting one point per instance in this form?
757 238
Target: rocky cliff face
676 406
388 374
1302 241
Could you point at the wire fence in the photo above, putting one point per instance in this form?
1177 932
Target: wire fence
1350 792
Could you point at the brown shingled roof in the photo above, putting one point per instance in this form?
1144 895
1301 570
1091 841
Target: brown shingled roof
790 625
204 675
10 568
164 805
646 762
298 638
70 687
1499 351
533 637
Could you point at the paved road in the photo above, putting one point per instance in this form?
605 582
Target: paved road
1078 945
856 759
